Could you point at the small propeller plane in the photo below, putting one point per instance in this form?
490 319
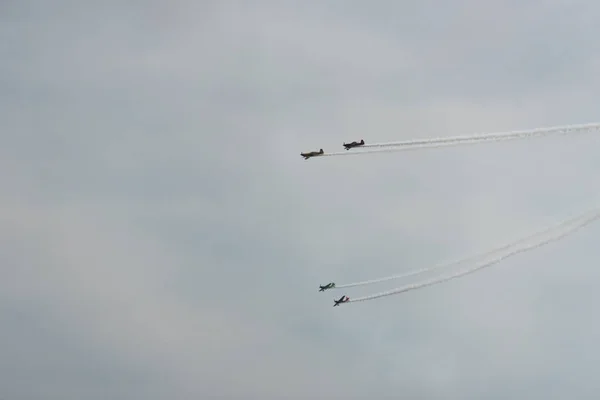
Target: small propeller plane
348 146
328 286
312 154
342 299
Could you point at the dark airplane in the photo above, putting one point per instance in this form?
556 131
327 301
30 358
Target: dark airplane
342 299
348 146
312 154
328 286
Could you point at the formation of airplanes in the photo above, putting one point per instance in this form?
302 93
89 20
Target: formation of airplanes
347 146
331 285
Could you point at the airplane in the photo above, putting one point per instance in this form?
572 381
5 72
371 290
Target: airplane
328 286
348 146
342 299
312 154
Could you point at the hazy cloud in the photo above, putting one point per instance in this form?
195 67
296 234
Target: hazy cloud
161 236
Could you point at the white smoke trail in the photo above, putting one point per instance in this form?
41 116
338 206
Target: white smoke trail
435 145
465 140
576 224
492 136
456 262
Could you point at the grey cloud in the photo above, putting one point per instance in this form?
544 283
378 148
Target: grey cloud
164 238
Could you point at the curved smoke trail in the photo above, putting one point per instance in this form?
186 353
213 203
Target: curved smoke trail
577 223
456 262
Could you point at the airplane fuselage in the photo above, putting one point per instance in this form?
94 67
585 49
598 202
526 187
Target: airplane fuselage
342 299
354 144
312 154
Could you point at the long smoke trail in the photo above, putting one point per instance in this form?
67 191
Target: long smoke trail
465 140
465 260
576 224
566 129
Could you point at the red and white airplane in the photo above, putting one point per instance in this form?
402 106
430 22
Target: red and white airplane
342 299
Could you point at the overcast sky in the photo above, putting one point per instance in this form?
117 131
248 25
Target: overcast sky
161 238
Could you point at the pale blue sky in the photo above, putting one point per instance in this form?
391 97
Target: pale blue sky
162 238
